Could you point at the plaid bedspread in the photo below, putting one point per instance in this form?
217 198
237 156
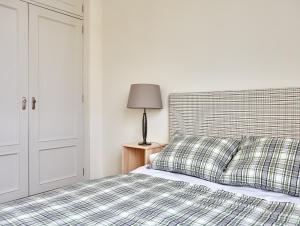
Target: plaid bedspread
137 199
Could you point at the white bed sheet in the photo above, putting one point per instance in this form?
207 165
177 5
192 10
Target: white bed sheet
267 195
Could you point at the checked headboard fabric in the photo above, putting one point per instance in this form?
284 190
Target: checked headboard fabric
265 112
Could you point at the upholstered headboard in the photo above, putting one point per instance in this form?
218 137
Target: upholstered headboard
265 112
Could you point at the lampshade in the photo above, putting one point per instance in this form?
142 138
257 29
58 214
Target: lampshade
144 96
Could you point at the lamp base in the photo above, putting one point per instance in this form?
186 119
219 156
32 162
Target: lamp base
144 143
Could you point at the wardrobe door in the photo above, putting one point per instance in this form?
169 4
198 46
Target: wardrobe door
13 96
56 108
71 6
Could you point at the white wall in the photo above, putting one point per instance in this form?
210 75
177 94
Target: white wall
94 88
190 45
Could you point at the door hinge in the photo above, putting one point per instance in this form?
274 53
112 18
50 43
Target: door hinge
82 8
82 29
82 98
82 171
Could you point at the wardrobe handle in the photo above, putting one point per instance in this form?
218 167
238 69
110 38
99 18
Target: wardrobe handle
33 101
24 103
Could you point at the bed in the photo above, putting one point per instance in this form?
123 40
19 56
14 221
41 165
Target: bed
154 197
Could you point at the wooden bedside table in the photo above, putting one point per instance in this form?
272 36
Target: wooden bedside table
134 155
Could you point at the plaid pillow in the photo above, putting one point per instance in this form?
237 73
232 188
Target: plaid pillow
266 163
199 156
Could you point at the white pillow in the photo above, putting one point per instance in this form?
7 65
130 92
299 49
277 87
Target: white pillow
152 156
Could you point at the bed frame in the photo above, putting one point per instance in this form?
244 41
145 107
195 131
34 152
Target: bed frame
264 112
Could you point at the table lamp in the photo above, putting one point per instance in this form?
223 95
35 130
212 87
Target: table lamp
144 96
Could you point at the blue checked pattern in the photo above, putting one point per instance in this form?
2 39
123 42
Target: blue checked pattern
266 163
198 156
137 199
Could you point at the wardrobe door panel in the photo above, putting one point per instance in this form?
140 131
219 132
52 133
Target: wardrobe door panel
56 117
13 97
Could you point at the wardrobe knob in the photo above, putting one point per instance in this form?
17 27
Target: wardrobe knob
24 103
33 102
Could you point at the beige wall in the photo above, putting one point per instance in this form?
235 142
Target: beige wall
190 45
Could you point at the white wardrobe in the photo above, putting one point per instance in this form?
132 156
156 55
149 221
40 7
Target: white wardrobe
41 104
